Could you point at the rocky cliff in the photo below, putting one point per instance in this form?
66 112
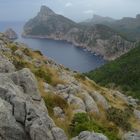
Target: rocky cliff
99 39
42 100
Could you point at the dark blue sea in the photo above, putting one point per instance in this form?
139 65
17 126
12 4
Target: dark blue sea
62 52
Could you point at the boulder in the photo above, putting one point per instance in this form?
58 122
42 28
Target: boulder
58 112
76 102
131 136
5 65
58 134
86 135
27 81
100 100
90 104
9 128
137 114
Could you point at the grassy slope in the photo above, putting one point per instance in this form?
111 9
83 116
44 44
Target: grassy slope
123 72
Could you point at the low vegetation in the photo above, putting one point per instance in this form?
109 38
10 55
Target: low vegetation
123 72
119 117
83 121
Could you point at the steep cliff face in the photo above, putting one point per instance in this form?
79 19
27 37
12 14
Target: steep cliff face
99 39
42 100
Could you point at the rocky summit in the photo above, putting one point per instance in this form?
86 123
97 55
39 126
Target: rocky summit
99 39
42 100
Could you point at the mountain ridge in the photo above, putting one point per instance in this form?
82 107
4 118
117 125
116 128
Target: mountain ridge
127 26
95 38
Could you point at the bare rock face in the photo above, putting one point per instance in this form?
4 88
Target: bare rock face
137 114
11 34
23 114
5 65
86 135
131 136
10 129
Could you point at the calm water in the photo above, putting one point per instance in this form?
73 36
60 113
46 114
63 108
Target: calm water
62 52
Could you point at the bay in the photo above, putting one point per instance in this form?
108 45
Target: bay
74 58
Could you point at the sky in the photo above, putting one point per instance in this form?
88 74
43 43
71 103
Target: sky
77 10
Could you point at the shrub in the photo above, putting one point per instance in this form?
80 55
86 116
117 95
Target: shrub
80 76
13 47
44 75
27 52
52 101
82 122
19 64
38 52
119 117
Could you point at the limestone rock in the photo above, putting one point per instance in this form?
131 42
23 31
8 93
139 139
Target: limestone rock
86 135
131 136
59 134
137 114
99 99
90 104
5 65
76 102
9 128
25 79
58 112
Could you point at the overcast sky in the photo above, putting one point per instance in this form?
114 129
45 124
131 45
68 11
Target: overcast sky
77 10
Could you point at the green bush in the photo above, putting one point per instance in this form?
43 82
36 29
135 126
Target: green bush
119 117
19 64
13 47
27 52
80 76
123 72
44 75
82 122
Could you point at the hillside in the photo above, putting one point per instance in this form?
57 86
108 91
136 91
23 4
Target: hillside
128 27
97 19
124 72
42 100
99 39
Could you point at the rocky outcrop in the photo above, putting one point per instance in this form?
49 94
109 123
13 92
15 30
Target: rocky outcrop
86 135
5 65
23 115
137 114
99 39
131 136
11 34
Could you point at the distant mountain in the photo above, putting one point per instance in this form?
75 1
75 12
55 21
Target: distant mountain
48 23
99 20
127 26
99 39
124 72
130 27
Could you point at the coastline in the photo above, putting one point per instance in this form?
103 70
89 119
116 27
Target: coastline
84 47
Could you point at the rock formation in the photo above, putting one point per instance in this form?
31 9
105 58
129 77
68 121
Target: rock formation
99 39
11 34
